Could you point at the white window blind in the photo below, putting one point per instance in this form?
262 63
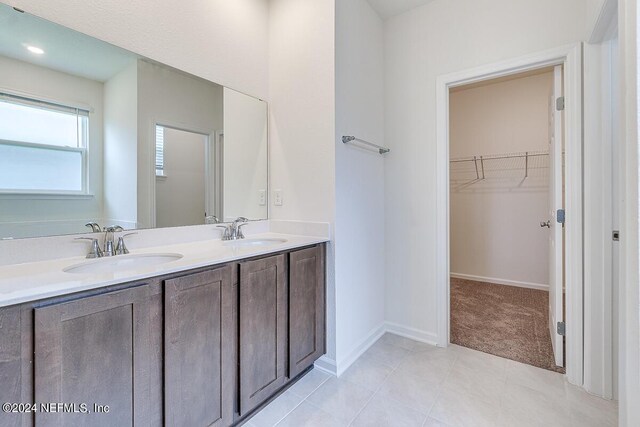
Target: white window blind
43 146
40 122
159 150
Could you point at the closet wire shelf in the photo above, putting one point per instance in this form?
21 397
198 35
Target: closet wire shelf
521 165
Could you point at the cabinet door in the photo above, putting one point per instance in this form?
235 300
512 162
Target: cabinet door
199 365
16 362
263 330
95 350
306 308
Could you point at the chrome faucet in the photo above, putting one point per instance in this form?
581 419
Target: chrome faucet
211 219
121 248
233 231
95 251
95 227
108 248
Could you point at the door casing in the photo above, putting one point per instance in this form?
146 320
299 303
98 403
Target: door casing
570 56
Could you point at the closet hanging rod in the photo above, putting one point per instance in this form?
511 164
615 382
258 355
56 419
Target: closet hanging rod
347 139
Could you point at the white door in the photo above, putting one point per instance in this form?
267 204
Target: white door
180 196
556 245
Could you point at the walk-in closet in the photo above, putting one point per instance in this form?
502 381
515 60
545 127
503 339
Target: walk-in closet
505 229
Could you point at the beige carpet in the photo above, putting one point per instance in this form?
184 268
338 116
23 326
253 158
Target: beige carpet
503 320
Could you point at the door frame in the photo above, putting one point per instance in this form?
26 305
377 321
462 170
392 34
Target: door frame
570 56
207 133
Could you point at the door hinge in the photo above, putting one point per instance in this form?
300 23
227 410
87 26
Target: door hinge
560 103
562 329
560 216
615 235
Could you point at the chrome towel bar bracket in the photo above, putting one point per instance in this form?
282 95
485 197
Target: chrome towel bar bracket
347 139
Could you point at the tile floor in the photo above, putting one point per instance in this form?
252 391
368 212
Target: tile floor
399 382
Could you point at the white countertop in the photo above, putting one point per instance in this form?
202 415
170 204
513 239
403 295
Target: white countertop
21 283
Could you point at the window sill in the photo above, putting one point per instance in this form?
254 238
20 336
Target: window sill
45 196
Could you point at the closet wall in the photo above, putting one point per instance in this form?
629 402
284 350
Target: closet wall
495 222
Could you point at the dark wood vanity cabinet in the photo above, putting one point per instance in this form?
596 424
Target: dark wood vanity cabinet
94 350
199 358
205 347
263 329
306 308
282 321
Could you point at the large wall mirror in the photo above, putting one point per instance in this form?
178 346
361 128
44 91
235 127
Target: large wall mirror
90 132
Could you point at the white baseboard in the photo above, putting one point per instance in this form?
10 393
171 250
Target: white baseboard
326 364
539 286
330 366
412 333
359 349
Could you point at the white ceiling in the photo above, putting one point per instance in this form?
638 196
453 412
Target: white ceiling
388 8
65 50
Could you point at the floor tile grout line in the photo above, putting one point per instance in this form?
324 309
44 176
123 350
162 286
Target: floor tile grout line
510 378
372 395
323 410
440 385
412 351
287 414
504 388
504 392
456 358
304 399
393 370
440 388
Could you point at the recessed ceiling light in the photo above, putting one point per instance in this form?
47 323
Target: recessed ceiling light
35 50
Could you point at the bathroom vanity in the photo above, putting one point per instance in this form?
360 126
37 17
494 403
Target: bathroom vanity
201 346
187 329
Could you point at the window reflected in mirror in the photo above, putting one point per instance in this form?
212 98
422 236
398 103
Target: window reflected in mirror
90 132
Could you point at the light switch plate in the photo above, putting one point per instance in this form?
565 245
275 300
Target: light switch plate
262 197
277 197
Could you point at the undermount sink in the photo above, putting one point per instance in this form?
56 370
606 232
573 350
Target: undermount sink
121 262
253 242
